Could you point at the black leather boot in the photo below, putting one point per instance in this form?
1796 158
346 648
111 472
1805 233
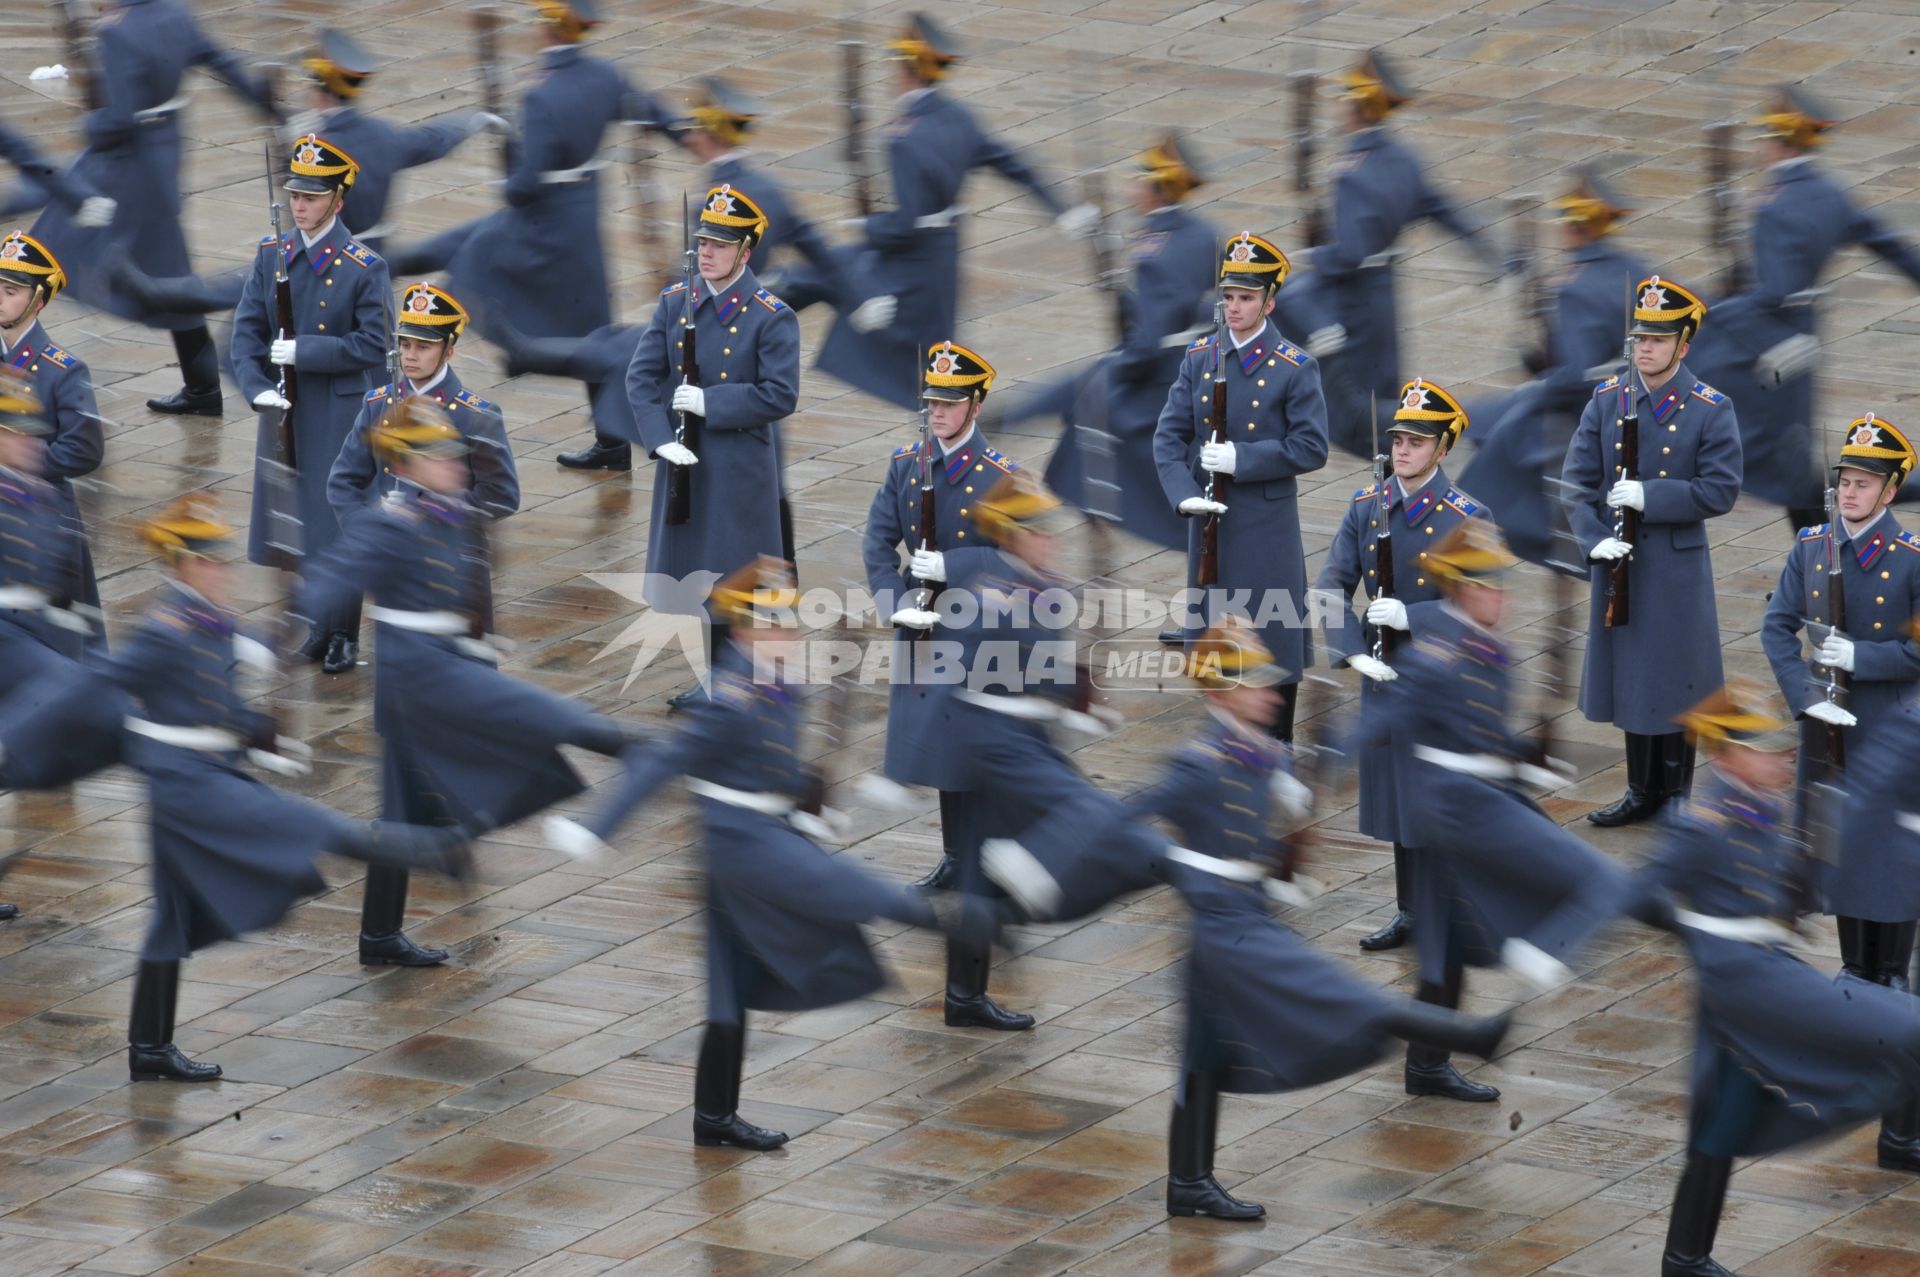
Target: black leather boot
1429 1071
199 395
1643 797
392 845
382 943
1696 1218
1191 1187
1856 941
1398 931
1676 760
8 912
151 1054
945 876
716 1093
343 653
967 1004
602 455
1432 1026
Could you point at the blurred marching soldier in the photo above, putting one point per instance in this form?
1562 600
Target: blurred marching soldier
429 323
1782 1054
1275 430
1875 886
1419 505
230 854
963 470
745 381
912 251
783 916
538 263
1642 673
341 324
30 278
1173 280
1497 882
44 183
145 49
1266 1011
466 745
1770 331
1530 429
1378 191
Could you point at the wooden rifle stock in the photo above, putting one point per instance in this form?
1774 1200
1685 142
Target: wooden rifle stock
856 146
1385 637
680 478
486 29
1626 520
1720 189
1208 575
1838 680
1305 84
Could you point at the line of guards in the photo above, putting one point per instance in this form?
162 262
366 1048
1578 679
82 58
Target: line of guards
417 469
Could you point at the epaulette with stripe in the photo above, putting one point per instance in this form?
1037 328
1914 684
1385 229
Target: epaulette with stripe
1371 490
56 356
266 240
768 300
1203 344
474 402
1909 539
1814 533
1291 353
1611 383
671 289
1701 390
359 253
379 393
906 450
1462 502
1005 463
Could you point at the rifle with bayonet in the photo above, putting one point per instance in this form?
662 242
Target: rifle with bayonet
83 64
288 387
923 466
1305 86
1384 636
486 37
686 431
1208 570
1720 229
1839 681
851 53
1626 520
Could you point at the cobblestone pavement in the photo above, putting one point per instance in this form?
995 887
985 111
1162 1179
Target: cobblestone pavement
525 1108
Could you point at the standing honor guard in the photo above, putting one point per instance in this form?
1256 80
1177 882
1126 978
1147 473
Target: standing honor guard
341 322
1496 881
230 854
146 47
1782 1055
912 250
466 745
712 380
940 477
1378 191
1244 420
783 916
30 278
1383 542
1524 439
1656 455
1770 330
1122 393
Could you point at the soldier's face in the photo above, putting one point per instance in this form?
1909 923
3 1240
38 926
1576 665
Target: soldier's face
949 418
1036 547
1256 705
1860 495
419 360
1757 769
212 579
1484 605
310 212
1414 455
1657 353
1247 308
23 453
445 475
720 261
16 303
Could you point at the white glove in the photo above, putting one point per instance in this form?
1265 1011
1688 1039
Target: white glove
914 618
1909 821
1610 549
95 211
1534 965
876 791
1330 340
486 122
270 399
58 71
573 838
254 654
873 314
1391 613
927 565
289 757
1827 712
1088 723
1295 799
74 620
828 826
689 399
1200 505
1217 458
1628 493
1078 222
281 352
678 453
1835 652
1378 671
1552 776
1021 876
1299 891
1789 359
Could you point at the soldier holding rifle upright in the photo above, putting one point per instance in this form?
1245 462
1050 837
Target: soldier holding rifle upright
1230 459
1656 454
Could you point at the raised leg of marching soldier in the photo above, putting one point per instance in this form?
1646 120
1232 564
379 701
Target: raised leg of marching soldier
1236 479
1653 644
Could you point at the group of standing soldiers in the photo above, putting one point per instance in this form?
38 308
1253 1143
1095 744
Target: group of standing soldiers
380 475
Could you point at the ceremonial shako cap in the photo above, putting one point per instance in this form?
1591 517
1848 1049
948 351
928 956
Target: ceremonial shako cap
729 216
318 167
1375 84
1662 307
1794 118
573 18
340 65
25 260
21 410
430 314
723 110
1018 502
1248 261
1474 553
1231 654
1741 713
927 46
1876 446
762 591
190 527
1429 411
1169 165
1591 202
955 373
416 427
